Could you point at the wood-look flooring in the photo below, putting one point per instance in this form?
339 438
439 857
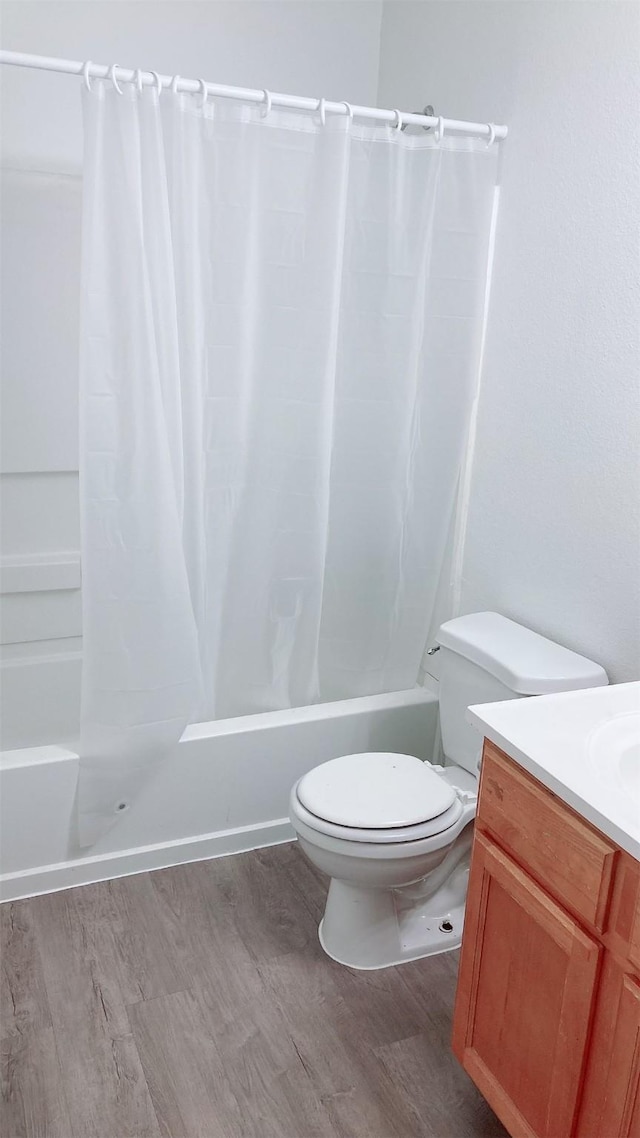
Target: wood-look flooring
196 1002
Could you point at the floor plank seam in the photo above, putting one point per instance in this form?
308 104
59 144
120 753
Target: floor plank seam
151 999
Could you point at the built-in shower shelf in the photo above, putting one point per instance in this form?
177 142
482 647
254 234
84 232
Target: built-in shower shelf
41 598
40 572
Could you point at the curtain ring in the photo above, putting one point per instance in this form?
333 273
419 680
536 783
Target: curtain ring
85 75
398 125
349 109
492 134
137 79
111 74
440 129
158 82
267 102
174 84
205 93
322 111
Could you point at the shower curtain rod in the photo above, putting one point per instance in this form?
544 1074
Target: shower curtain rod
248 94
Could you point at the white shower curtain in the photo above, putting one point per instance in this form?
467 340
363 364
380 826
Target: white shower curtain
279 354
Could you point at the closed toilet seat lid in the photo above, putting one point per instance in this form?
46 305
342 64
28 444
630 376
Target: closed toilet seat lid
376 790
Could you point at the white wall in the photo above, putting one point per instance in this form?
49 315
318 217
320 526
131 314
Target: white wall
308 47
553 535
314 47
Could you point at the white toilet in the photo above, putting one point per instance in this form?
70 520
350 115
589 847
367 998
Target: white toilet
394 832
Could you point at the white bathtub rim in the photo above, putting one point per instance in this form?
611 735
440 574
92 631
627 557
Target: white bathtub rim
36 756
260 721
334 709
142 859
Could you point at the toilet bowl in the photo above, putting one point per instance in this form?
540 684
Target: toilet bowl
394 894
394 832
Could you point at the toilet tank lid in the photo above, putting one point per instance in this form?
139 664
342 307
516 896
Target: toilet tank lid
522 660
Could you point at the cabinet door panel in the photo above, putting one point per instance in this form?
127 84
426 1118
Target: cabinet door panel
527 978
611 1102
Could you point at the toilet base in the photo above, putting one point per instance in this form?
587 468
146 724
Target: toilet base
378 928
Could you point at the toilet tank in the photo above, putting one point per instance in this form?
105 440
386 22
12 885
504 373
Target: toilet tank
484 657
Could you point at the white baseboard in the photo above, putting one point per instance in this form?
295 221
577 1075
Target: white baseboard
103 867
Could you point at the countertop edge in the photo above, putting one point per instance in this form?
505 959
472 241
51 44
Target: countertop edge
575 801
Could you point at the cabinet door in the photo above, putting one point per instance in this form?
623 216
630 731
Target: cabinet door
611 1101
525 990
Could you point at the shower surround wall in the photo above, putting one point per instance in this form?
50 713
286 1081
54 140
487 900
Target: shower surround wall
249 43
553 535
328 48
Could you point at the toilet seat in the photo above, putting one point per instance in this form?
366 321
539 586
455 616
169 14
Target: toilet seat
390 836
376 797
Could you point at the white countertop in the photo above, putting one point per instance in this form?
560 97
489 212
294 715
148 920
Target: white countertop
583 745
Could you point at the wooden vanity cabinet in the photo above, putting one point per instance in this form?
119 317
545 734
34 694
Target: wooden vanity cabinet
547 1017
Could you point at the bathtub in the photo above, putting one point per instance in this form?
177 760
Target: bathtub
223 790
